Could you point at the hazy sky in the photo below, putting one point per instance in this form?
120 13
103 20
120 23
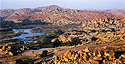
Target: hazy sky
73 4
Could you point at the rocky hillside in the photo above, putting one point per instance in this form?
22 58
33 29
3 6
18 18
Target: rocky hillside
117 12
56 14
9 12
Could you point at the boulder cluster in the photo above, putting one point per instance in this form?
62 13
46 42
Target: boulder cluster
106 30
10 50
89 57
6 49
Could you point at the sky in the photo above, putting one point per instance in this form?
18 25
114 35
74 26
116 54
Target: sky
72 4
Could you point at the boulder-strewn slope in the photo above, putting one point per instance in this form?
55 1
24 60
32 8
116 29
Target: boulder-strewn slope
58 15
9 12
117 12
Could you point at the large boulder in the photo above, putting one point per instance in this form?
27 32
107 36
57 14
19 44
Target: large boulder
97 58
94 62
53 40
4 48
87 49
63 38
10 53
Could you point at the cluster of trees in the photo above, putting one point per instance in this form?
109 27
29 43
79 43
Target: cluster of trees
1 18
3 30
80 31
59 32
47 38
93 30
74 41
11 24
26 61
46 41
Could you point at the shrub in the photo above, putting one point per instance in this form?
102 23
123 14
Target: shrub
32 51
103 30
44 53
94 38
112 30
93 31
19 61
26 61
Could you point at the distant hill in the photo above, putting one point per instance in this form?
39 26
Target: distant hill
55 13
58 15
115 11
9 12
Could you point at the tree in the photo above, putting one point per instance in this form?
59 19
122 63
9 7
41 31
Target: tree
103 30
46 41
56 43
93 31
75 41
112 30
94 38
44 53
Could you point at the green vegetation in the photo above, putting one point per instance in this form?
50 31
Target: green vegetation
19 61
104 30
3 30
56 43
46 41
74 41
112 30
80 31
11 24
59 32
44 54
94 38
32 51
26 61
1 18
12 40
93 30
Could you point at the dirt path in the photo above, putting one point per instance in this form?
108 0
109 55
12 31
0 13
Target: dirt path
30 52
92 47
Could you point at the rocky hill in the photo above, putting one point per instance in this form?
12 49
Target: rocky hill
59 15
9 12
117 12
56 14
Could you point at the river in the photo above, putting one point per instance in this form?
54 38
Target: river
22 37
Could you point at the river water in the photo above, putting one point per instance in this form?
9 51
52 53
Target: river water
22 37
